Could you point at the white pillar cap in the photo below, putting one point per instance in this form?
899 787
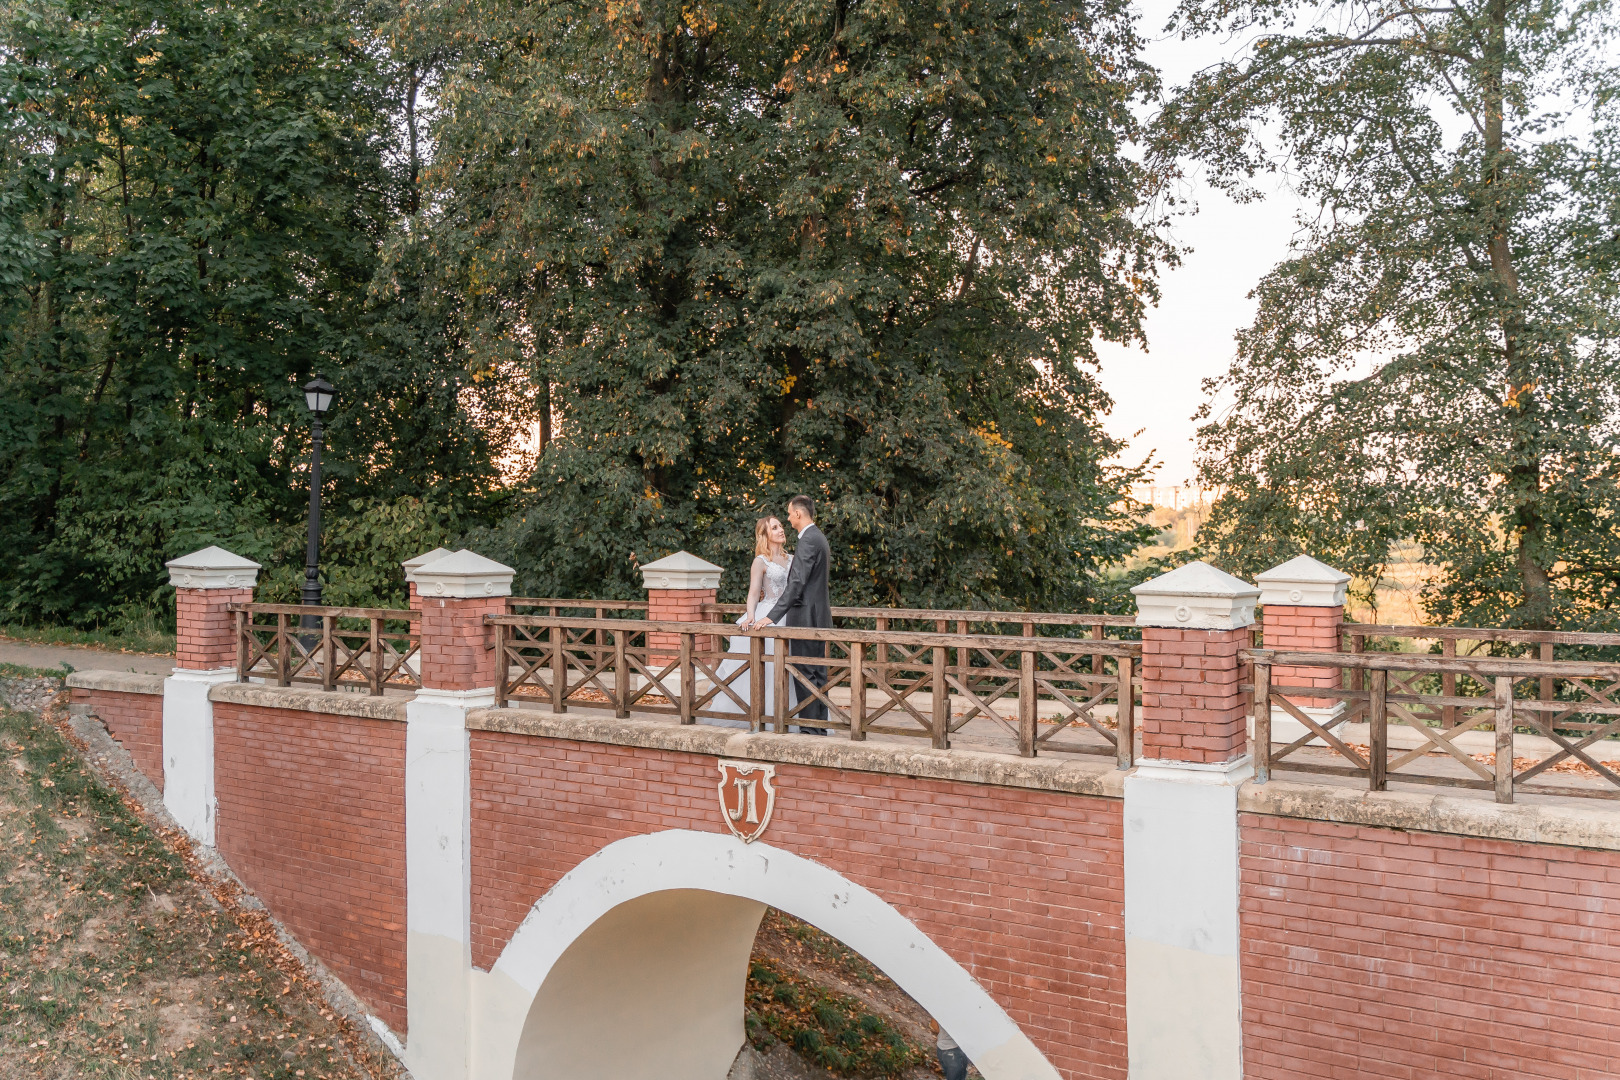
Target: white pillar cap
682 570
1303 582
1195 597
212 568
462 575
413 565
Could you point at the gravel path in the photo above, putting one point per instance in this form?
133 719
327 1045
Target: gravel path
80 658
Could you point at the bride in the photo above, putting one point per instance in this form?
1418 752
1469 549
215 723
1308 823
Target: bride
766 581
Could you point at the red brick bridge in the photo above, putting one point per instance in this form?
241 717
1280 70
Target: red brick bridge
1073 884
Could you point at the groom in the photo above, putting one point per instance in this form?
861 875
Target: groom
805 603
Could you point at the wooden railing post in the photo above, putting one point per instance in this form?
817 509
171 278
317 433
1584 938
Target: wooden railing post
1358 645
1504 739
688 691
1125 715
1262 721
857 691
1096 658
1448 684
621 676
1378 727
559 670
942 701
503 668
328 652
283 662
1547 692
243 621
1027 702
374 650
756 683
780 692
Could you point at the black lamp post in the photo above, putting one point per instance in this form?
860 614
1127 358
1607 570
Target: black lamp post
318 394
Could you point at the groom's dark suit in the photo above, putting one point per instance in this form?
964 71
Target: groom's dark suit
806 602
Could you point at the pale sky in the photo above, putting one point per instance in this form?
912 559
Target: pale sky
1204 301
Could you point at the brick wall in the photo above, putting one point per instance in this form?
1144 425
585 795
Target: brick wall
1377 953
1022 888
205 628
1192 709
1312 629
312 819
135 720
676 605
455 642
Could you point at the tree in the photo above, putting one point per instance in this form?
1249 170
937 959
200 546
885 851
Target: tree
855 248
1438 358
194 201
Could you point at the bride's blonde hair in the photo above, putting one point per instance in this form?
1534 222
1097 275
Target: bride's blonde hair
762 535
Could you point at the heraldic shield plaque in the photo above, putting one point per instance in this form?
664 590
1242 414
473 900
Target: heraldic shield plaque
747 797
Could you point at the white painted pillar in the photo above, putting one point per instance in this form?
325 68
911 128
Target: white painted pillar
1183 994
206 583
455 592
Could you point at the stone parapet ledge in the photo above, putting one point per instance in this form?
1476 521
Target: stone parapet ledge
329 702
1076 777
1594 824
118 682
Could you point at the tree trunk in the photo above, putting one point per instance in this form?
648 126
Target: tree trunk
1524 471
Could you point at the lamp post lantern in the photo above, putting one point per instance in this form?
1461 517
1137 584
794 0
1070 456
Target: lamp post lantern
318 394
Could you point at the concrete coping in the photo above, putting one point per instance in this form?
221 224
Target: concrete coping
1196 596
1594 823
682 570
329 702
118 682
213 568
1078 777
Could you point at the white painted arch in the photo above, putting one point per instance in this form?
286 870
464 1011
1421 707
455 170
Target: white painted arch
716 888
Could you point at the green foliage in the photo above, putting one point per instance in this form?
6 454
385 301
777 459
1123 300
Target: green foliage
195 196
828 1029
749 248
1438 360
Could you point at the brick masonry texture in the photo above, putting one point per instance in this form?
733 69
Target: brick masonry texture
1380 953
1192 709
205 627
1023 888
676 605
136 721
1312 629
455 655
312 819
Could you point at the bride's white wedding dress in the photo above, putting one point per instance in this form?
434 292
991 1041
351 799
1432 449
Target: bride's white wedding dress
772 584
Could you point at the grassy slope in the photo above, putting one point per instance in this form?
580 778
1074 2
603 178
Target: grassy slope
117 961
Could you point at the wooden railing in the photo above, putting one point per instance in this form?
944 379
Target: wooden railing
890 682
1505 734
1464 641
351 648
556 606
962 620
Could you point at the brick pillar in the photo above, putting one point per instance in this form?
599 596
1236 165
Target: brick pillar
411 566
678 586
455 593
458 669
1304 609
1183 998
206 584
1194 620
